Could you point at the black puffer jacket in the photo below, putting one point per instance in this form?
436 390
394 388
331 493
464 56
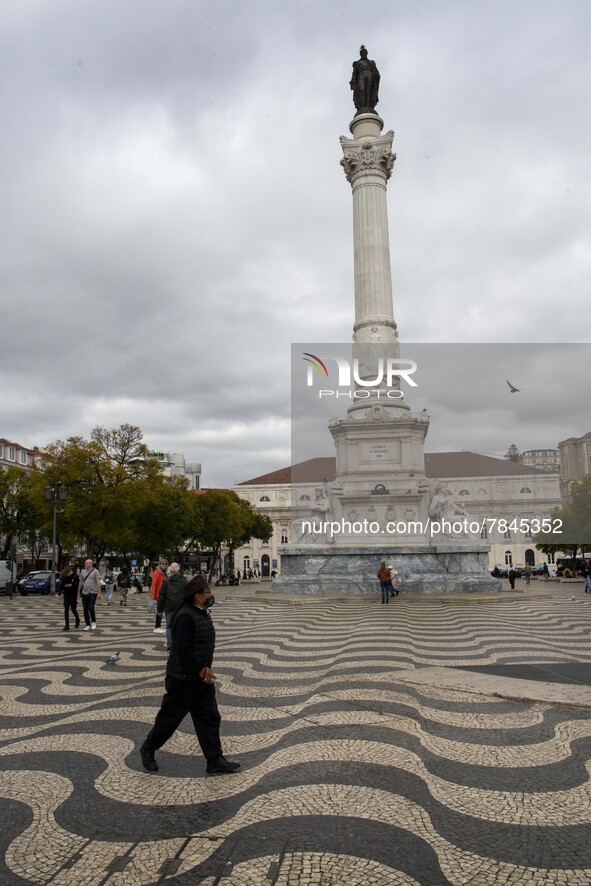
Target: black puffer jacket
193 643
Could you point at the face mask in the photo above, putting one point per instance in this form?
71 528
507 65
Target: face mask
209 602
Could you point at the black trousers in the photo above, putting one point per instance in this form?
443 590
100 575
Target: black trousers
183 697
70 604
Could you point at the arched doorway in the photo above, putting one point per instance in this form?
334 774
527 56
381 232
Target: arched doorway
530 557
265 566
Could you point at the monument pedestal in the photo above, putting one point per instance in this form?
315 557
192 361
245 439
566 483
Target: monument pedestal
457 568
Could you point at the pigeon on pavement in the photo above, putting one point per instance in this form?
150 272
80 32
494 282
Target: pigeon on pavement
113 659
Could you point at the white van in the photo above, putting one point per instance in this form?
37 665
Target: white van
5 576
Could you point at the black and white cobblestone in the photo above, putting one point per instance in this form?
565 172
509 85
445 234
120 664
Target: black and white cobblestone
368 755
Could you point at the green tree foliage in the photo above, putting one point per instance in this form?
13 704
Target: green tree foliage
575 524
20 509
104 475
228 519
166 515
513 453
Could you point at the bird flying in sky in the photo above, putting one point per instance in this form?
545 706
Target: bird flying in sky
512 388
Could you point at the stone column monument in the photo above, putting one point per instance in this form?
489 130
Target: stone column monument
380 465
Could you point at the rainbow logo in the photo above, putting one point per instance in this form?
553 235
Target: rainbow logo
317 363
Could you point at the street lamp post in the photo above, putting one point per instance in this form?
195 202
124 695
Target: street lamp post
55 493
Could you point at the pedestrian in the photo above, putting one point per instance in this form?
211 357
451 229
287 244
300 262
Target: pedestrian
512 576
545 572
70 582
586 573
137 585
393 581
171 597
90 583
384 579
157 578
124 584
189 683
527 572
109 585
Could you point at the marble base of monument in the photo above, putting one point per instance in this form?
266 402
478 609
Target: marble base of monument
422 569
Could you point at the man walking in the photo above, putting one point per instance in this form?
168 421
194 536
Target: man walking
527 572
190 683
170 598
90 582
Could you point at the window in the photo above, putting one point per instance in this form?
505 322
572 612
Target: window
508 558
304 498
264 498
464 492
11 453
551 558
23 457
525 490
284 536
507 534
1 450
484 532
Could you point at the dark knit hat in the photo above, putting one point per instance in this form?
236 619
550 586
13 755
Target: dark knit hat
198 583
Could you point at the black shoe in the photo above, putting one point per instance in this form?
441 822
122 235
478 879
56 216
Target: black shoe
77 625
148 759
66 628
221 766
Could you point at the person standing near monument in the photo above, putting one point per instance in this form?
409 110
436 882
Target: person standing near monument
90 582
190 683
393 581
384 579
365 82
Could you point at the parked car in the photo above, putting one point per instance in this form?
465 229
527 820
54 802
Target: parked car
37 583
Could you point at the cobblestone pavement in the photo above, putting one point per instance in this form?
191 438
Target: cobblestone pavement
372 752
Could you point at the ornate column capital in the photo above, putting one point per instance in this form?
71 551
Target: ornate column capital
368 156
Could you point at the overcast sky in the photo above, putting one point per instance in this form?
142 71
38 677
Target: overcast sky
175 215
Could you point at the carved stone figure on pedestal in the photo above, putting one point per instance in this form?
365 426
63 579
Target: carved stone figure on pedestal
442 508
365 82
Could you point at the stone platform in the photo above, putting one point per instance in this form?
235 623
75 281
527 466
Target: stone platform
422 569
385 745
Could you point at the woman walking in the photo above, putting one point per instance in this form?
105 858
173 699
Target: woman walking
123 583
90 582
70 582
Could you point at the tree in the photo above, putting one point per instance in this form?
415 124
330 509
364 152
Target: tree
165 516
513 453
20 509
248 524
570 525
228 519
105 476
